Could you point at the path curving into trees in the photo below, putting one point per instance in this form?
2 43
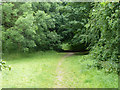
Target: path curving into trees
60 72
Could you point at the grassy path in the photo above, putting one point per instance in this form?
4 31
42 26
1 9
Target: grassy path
78 75
54 70
60 72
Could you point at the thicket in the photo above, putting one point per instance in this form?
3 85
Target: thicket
103 31
25 26
46 25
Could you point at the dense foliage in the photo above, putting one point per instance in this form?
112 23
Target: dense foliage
104 35
25 29
47 25
77 15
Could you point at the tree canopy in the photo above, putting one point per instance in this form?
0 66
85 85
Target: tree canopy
46 25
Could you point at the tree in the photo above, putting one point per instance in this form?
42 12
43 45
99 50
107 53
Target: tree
20 31
103 32
26 27
76 16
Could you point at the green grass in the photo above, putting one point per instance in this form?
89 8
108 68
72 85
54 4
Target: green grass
77 74
38 70
65 46
31 70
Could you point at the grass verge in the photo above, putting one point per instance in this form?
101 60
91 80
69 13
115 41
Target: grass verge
77 74
35 70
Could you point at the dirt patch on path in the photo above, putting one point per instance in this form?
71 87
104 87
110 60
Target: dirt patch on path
60 71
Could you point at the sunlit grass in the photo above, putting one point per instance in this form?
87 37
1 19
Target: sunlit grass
65 46
38 70
31 70
77 74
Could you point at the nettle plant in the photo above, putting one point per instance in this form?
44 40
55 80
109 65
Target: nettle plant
3 66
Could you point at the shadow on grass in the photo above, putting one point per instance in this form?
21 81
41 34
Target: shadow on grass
75 52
